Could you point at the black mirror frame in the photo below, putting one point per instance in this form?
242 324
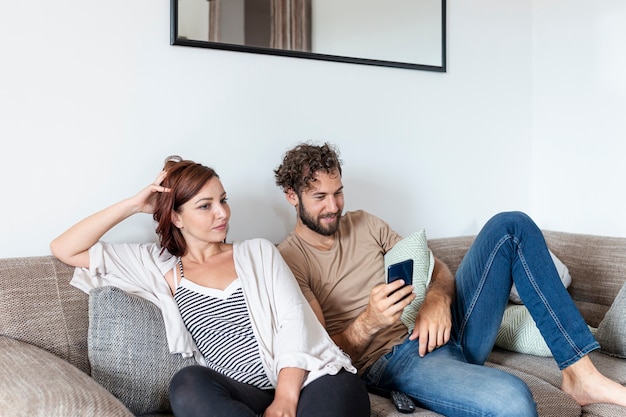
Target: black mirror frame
174 40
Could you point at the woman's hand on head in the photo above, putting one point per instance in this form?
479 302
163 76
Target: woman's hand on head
145 199
72 246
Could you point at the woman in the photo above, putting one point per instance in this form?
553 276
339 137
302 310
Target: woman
235 306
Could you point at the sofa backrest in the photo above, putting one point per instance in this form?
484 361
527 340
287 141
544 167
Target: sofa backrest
597 265
39 306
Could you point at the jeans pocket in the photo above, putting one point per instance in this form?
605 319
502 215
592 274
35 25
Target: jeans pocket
375 371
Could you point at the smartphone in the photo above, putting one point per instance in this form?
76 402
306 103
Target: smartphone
401 270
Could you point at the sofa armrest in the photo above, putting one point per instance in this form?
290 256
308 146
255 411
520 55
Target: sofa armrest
37 383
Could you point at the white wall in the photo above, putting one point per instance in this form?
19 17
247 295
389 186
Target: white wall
93 97
579 114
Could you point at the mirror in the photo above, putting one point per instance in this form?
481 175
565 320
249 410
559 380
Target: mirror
401 33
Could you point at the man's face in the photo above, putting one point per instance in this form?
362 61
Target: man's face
321 205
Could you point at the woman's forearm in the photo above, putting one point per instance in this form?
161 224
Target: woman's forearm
289 383
287 393
72 246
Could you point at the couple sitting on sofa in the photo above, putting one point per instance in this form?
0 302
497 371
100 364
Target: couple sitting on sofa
263 343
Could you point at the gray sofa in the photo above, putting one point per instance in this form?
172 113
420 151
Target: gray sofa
63 353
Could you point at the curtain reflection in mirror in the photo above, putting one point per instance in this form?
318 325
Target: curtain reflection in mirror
282 24
214 21
291 24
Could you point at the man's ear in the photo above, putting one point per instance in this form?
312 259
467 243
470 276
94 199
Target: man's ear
292 197
176 220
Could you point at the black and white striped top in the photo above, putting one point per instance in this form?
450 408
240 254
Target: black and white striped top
219 323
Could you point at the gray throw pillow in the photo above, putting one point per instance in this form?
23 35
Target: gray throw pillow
128 350
611 332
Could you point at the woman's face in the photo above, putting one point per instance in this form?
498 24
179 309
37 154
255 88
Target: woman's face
204 218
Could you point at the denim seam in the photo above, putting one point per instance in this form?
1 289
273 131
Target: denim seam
481 284
578 353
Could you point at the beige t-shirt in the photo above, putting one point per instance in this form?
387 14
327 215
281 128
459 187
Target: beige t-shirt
341 278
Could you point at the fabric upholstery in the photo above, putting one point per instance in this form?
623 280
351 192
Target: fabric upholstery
30 286
38 306
546 370
36 383
612 329
519 333
128 350
597 265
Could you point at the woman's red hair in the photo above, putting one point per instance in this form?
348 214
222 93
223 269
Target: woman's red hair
185 179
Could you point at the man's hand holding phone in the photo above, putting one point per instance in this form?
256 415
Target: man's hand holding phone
401 271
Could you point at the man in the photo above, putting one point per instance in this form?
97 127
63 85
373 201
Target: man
338 260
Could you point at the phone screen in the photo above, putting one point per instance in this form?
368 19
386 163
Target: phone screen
401 270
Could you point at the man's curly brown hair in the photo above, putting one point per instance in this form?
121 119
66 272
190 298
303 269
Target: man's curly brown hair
302 163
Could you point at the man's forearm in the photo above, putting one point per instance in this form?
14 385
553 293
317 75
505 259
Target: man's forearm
442 283
357 336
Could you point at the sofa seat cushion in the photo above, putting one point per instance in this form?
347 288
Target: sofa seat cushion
37 383
128 350
547 369
603 410
530 368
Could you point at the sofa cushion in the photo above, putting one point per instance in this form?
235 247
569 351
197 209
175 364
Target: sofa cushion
128 350
415 247
37 383
30 286
611 332
519 333
597 265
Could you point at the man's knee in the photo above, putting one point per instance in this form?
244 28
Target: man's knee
512 222
512 217
511 397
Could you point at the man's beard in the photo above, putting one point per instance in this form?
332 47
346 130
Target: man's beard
315 225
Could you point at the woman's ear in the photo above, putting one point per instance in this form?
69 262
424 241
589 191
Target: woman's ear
176 220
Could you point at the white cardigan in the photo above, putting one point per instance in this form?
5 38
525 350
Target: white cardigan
287 331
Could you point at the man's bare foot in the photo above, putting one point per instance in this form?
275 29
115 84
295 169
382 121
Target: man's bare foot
587 385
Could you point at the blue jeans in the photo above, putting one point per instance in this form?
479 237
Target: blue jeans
452 379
